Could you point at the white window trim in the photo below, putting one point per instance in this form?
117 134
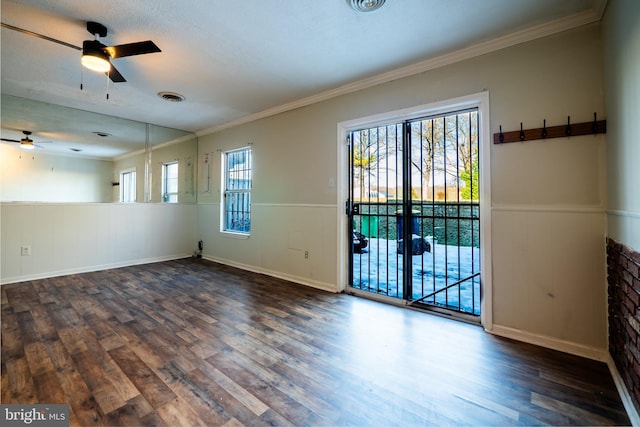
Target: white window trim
121 189
223 182
164 181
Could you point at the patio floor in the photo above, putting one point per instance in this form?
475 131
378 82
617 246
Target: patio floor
379 269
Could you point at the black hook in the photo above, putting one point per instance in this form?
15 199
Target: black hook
568 130
501 137
521 133
594 126
544 128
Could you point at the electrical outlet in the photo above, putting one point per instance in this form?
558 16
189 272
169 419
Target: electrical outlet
306 254
25 250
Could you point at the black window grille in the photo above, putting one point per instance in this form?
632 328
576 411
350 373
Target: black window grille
414 190
237 191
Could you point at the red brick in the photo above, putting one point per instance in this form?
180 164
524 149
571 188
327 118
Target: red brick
634 377
633 336
633 296
623 287
636 368
625 312
627 278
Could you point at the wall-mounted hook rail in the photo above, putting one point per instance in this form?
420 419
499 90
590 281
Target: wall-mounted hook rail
563 131
522 135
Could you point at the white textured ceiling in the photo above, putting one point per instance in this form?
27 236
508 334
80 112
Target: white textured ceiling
236 58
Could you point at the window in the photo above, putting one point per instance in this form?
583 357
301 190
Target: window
128 186
170 182
236 203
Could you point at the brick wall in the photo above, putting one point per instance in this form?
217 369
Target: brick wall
623 267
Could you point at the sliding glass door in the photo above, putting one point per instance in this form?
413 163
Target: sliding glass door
414 211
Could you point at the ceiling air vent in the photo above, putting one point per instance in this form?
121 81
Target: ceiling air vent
171 96
365 5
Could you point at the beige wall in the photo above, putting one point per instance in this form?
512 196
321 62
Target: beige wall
621 35
548 215
71 233
66 238
35 176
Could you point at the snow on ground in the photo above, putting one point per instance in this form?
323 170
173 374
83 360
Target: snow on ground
379 270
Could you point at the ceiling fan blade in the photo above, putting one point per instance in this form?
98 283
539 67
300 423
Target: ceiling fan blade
40 36
130 49
9 140
115 75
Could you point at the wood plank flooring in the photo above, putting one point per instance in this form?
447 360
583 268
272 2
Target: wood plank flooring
190 342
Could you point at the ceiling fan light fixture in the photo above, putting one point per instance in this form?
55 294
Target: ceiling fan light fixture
94 58
27 144
365 5
95 63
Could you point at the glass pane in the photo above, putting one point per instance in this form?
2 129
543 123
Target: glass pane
442 218
237 212
377 191
238 170
128 187
444 158
172 178
170 182
237 200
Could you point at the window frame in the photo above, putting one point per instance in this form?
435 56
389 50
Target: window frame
122 184
166 196
481 100
227 193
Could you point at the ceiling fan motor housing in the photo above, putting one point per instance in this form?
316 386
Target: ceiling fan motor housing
95 48
96 28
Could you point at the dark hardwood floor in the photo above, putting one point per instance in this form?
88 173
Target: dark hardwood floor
190 342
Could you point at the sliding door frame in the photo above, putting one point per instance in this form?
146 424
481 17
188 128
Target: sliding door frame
479 100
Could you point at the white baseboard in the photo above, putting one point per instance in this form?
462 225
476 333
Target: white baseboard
632 412
89 269
329 287
594 353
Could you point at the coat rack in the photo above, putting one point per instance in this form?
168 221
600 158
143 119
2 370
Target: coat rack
562 131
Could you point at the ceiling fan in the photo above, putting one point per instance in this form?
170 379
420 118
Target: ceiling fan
26 142
97 56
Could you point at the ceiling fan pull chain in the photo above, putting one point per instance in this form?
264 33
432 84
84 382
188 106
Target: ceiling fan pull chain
81 78
107 74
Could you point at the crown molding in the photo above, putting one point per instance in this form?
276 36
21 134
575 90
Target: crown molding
154 147
518 37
